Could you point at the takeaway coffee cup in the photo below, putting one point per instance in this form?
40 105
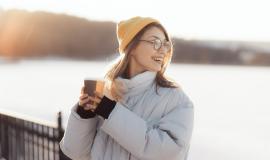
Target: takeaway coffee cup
91 85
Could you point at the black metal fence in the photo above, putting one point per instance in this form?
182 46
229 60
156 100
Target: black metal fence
26 140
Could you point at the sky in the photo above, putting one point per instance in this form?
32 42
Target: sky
240 20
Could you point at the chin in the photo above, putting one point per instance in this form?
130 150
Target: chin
155 69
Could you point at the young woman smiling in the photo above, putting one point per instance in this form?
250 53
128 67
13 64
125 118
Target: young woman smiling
141 114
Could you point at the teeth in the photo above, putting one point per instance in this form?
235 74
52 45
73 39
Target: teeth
158 59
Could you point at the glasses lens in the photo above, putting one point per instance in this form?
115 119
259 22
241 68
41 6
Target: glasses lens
157 44
167 45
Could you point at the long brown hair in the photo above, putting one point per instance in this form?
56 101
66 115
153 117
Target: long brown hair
120 67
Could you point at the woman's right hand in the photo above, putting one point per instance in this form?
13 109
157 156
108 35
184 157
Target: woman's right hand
84 99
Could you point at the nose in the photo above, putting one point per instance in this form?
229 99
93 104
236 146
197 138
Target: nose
162 50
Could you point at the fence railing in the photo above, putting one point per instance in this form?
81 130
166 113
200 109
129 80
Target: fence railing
22 139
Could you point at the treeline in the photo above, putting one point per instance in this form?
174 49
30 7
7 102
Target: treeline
43 34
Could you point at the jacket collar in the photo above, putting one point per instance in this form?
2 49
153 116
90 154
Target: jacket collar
138 83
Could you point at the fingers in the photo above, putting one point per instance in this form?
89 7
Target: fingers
83 96
85 99
82 102
99 95
82 89
93 99
90 107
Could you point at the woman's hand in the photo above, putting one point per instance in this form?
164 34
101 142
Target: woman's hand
118 90
114 91
89 102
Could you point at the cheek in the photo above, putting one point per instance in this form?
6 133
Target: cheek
145 53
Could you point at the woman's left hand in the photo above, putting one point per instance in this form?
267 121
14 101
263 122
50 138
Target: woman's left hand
94 101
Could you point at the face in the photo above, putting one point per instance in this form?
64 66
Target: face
145 57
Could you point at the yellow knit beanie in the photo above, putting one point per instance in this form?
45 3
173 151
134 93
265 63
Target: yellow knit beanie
127 29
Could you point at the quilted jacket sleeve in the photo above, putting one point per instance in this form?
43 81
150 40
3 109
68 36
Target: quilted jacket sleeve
168 138
79 135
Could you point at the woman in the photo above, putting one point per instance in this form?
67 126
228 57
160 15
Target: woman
141 115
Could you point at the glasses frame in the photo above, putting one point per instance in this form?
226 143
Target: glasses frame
158 47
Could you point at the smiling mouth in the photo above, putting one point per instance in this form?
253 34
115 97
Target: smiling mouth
158 60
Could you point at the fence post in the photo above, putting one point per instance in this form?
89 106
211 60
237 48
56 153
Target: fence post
59 126
62 156
60 133
6 141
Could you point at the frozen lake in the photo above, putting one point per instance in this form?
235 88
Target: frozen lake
232 105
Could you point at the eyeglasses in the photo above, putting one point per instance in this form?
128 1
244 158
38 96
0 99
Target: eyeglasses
157 44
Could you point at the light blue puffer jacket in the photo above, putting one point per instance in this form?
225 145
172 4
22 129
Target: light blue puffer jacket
144 126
